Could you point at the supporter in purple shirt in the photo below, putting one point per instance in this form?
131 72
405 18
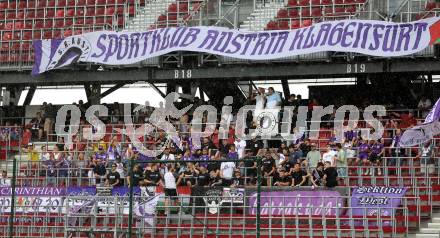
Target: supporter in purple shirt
232 154
349 135
364 151
101 154
49 165
187 156
205 157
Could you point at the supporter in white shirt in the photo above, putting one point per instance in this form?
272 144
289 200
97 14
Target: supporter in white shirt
166 156
260 101
170 188
329 155
4 180
226 172
240 146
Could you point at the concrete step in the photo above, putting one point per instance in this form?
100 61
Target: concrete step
427 236
433 225
430 231
436 219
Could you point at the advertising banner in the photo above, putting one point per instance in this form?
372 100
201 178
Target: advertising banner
373 200
297 203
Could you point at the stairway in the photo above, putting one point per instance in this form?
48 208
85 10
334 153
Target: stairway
146 16
262 14
433 229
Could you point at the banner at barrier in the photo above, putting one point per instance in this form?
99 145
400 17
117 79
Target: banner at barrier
297 203
373 200
32 199
376 38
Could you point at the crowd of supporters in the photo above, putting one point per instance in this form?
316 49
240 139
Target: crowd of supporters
219 162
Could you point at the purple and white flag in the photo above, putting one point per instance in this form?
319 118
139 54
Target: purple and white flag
376 38
424 132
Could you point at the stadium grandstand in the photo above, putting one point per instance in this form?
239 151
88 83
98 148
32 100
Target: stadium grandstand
131 169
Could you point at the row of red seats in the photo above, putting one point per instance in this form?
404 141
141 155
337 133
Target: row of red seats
294 3
63 12
59 23
180 9
315 12
59 3
48 33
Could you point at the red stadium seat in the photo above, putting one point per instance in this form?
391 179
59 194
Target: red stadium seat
60 13
360 1
48 23
339 1
120 21
316 2
80 12
42 3
28 24
81 3
71 3
172 7
272 25
292 3
99 20
304 2
430 6
9 25
91 2
3 5
68 22
10 15
40 13
37 35
183 7
349 1
90 11
110 11
316 12
7 36
101 2
19 25
59 23
57 34
70 12
172 17
120 10
111 1
2 16
100 11
351 9
307 23
61 3
305 12
47 35
51 3
120 1
283 25
30 14
328 10
22 4
27 35
89 20
339 10
39 24
327 2
295 24
293 13
20 15
109 20
282 13
50 13
131 10
161 18
12 5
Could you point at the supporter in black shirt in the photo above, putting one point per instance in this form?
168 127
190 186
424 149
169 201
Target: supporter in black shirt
237 180
330 175
138 175
269 170
99 171
113 177
299 177
224 146
188 176
153 176
250 165
202 177
254 146
214 166
318 175
305 147
214 179
283 179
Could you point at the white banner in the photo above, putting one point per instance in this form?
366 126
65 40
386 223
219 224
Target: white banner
377 38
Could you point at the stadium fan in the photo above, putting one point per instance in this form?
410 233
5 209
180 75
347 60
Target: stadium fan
138 175
227 169
268 168
424 106
4 180
313 156
317 175
113 177
37 126
170 186
283 179
330 175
